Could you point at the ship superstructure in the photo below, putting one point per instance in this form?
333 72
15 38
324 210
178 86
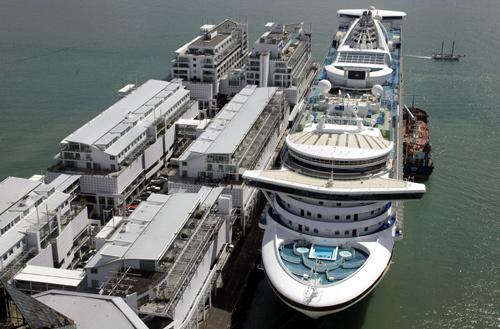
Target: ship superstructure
333 205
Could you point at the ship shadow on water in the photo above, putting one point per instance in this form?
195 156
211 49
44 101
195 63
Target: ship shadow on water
260 308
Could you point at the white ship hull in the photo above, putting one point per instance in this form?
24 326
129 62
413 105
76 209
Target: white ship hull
321 301
331 222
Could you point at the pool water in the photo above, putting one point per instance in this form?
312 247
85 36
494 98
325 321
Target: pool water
323 252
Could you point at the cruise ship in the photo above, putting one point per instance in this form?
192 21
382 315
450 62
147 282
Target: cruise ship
334 205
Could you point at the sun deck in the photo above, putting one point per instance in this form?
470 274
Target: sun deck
365 188
323 265
389 102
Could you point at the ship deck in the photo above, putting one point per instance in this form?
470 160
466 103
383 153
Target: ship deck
341 184
386 118
324 265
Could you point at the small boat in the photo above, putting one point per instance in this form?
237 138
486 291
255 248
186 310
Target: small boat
417 154
449 56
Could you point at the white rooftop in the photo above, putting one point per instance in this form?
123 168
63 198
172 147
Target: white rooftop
116 127
110 226
12 189
63 181
18 196
232 123
152 227
90 311
49 275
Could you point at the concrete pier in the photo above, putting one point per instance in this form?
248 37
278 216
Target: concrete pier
234 280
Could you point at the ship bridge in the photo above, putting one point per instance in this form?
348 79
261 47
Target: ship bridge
363 56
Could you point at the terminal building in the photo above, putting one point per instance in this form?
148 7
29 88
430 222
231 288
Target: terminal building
281 57
165 257
204 61
243 135
89 311
117 152
40 224
64 310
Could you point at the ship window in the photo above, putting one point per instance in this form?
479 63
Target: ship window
337 217
372 212
290 222
366 229
348 217
308 213
337 232
356 75
346 232
320 216
339 204
320 202
307 228
316 230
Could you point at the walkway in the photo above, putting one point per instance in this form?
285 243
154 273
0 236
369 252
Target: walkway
234 278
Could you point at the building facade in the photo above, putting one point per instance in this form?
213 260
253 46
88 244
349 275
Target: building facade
118 151
204 61
41 224
243 135
281 57
161 257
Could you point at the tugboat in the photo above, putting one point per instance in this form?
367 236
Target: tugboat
416 144
447 57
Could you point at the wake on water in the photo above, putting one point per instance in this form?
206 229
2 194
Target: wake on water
417 56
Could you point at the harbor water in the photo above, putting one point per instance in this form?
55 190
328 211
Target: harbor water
61 63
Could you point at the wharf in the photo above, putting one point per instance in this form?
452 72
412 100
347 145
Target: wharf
235 277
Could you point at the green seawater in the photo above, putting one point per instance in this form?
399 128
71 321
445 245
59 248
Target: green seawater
61 63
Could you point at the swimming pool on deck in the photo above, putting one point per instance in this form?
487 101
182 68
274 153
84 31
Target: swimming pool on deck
325 265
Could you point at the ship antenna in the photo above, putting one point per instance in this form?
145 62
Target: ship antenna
413 101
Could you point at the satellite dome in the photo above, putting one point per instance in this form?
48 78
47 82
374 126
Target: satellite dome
324 86
377 90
